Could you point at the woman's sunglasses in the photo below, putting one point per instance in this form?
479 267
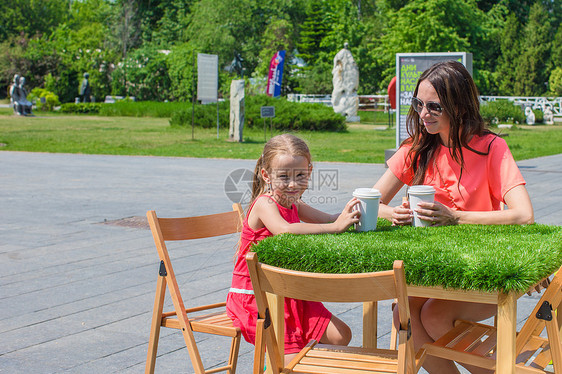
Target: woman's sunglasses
434 109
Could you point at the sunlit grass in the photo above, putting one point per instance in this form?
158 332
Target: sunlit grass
364 143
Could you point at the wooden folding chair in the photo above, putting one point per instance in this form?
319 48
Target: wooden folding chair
215 321
322 358
474 343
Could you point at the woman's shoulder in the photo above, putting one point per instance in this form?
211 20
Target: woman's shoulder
487 142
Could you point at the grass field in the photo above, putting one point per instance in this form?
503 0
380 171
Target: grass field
363 143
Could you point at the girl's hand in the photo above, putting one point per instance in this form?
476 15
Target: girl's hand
402 215
437 213
348 216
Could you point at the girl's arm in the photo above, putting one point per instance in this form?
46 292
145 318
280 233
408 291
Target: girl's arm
312 215
519 212
265 213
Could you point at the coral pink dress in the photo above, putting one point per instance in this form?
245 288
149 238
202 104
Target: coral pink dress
485 178
304 320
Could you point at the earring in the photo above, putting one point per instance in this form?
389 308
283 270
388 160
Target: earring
268 187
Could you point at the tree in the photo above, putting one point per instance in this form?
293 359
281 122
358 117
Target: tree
510 52
312 31
531 76
427 26
31 17
556 52
555 82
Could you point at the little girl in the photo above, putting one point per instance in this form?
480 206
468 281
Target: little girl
280 178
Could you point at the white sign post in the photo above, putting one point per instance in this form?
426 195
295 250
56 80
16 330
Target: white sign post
208 81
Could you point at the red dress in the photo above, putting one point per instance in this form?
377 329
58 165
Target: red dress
304 320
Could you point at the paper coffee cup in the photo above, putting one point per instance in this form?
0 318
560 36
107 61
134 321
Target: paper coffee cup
369 207
417 194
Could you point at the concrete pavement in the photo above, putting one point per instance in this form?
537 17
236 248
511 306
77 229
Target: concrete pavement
78 266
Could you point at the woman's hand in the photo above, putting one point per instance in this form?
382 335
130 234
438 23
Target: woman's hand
349 215
437 213
402 215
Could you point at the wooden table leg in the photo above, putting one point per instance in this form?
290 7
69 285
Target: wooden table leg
370 324
507 316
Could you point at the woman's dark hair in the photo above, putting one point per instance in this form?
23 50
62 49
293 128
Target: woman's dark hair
459 98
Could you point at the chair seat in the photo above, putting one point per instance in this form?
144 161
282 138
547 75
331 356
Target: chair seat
323 358
475 343
218 322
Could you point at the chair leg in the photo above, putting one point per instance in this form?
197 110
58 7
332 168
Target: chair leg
259 352
155 326
233 359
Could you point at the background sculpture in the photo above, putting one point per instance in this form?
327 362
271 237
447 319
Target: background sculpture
529 116
85 89
345 78
18 97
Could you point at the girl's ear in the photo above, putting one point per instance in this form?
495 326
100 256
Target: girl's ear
265 176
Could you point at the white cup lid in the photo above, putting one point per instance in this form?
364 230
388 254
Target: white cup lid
366 192
421 190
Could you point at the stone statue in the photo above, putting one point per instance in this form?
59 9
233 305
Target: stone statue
15 94
345 78
18 97
548 116
237 110
85 89
236 65
530 116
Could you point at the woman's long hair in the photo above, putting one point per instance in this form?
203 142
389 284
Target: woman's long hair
459 98
281 144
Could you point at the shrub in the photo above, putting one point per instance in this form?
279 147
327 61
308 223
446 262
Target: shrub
288 116
50 100
205 115
503 110
81 108
126 108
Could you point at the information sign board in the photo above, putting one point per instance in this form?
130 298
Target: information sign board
267 112
409 67
207 77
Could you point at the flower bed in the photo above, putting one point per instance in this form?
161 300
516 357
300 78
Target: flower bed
466 257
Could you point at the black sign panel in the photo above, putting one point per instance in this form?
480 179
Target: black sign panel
267 112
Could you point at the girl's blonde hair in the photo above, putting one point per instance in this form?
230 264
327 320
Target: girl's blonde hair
278 145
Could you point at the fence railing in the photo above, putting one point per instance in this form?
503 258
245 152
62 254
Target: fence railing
382 102
366 102
535 102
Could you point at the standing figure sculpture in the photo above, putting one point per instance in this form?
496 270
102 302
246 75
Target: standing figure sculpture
85 89
18 97
15 94
345 78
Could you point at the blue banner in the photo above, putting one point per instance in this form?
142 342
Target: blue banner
275 75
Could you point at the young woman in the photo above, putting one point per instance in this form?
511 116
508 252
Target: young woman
473 173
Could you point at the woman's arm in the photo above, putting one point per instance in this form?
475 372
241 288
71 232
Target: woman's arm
265 213
389 185
519 212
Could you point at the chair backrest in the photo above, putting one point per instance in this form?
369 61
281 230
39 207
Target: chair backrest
360 287
188 228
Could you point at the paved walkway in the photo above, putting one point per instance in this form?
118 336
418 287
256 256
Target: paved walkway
78 266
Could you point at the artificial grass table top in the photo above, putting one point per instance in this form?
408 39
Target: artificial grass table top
466 257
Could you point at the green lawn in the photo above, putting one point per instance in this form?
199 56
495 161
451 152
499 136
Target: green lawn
364 143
